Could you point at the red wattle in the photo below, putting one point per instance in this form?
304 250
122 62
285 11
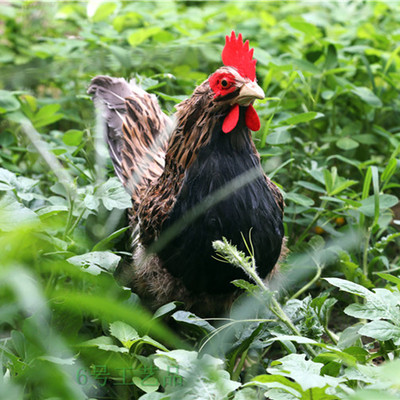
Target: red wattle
251 118
232 119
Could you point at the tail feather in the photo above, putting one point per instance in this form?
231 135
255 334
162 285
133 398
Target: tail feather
136 130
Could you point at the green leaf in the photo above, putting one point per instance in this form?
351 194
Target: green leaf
303 26
73 137
166 309
142 34
13 214
389 170
349 287
245 285
381 330
346 143
47 115
193 322
279 136
380 304
306 66
113 195
123 332
386 201
311 186
299 199
300 118
102 245
103 11
367 96
389 277
8 102
96 261
306 373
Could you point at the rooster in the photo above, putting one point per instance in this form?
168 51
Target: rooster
172 169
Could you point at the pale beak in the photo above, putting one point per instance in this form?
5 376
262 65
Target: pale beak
248 93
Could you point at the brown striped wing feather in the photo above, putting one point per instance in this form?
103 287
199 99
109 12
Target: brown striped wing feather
136 131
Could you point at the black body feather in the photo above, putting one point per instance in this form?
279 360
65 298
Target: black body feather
189 255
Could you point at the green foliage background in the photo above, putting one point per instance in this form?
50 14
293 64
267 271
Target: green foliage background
330 138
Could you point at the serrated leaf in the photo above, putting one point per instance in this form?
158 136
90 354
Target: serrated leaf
381 304
306 373
242 284
381 330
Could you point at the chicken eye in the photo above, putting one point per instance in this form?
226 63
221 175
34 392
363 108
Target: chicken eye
224 83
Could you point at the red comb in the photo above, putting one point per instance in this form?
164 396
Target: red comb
237 54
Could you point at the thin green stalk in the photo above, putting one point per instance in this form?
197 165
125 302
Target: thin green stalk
314 220
309 284
72 228
230 254
365 251
239 367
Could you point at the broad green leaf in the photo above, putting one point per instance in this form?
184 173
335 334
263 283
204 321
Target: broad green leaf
73 137
306 66
381 304
142 34
123 332
346 143
166 309
381 330
47 115
113 195
103 11
149 385
367 96
299 199
311 186
300 118
349 287
14 214
8 102
192 321
306 373
385 202
279 136
303 26
96 261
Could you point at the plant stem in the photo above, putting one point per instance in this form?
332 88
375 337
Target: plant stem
314 220
276 308
365 251
309 284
